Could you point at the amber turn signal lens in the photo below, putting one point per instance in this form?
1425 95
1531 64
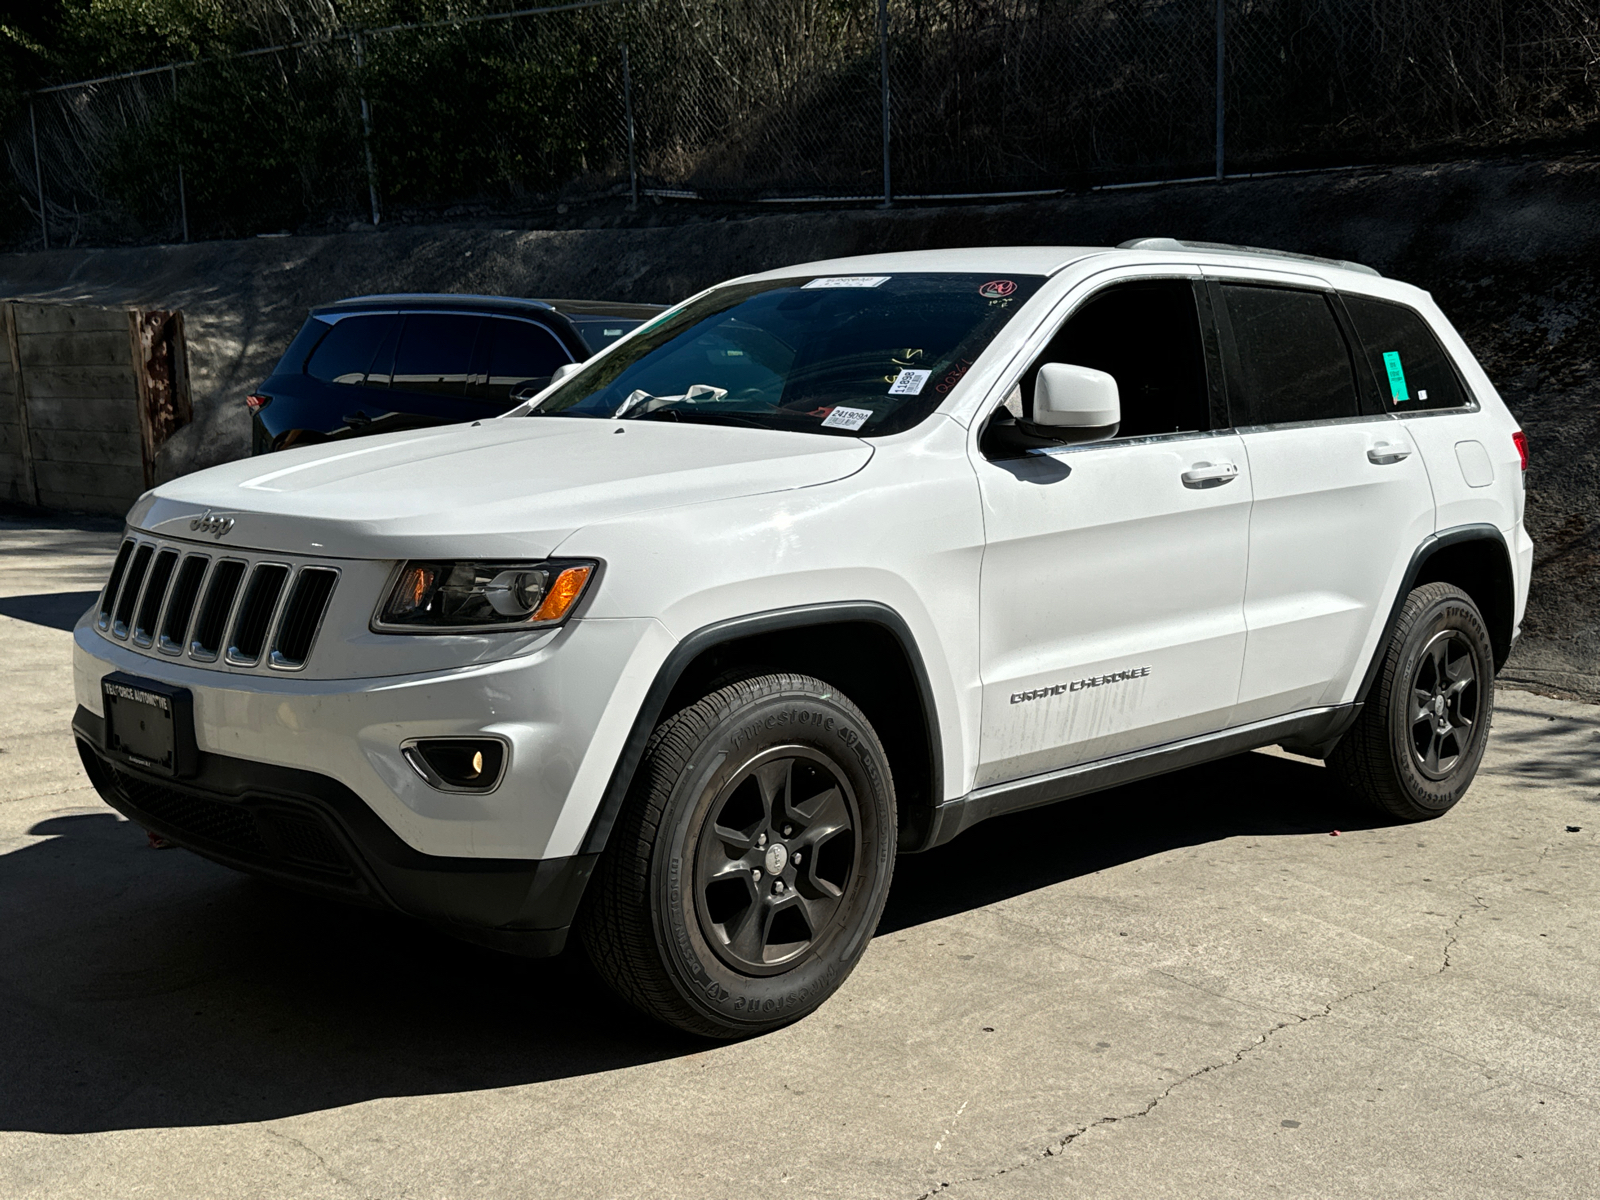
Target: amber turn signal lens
564 593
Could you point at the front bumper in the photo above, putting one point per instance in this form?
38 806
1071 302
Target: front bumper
313 833
564 708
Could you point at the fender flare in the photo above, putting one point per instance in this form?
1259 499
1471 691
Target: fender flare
1430 546
707 637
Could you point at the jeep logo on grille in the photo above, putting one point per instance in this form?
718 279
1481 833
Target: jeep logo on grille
210 523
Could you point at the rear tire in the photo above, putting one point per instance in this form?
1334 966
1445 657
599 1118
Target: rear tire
1417 744
751 861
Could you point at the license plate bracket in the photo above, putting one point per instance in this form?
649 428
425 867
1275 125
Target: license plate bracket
150 724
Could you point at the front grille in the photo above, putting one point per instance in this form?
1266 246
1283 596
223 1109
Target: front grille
287 839
247 611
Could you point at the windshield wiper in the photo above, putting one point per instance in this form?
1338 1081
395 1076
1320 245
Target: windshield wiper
700 416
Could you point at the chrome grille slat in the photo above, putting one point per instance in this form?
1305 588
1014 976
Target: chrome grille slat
256 610
180 605
216 610
155 595
108 599
131 588
302 617
241 611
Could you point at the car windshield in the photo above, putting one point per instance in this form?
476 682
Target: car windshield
850 355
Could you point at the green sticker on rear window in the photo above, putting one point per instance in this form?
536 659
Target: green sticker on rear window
1397 376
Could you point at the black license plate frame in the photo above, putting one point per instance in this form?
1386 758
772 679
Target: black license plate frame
149 724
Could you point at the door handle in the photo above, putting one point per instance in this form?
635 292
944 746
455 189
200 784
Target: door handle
1383 453
1204 474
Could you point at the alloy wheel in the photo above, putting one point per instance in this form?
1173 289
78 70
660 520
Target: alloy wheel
1444 704
775 858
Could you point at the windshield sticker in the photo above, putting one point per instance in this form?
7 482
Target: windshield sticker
953 376
909 383
848 281
847 418
1397 376
997 289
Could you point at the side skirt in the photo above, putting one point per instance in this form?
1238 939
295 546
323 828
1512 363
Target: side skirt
1313 732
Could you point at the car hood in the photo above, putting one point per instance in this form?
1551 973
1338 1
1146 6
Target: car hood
503 488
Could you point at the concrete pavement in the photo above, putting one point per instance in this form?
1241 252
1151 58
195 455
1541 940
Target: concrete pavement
1184 988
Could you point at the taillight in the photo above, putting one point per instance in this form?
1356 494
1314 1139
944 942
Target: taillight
1521 439
255 402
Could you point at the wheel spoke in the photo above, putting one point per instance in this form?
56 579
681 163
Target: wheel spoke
1436 655
774 779
822 816
732 868
818 911
749 935
814 886
1421 698
1431 759
736 842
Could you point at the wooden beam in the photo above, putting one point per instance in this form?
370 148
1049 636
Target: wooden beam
30 481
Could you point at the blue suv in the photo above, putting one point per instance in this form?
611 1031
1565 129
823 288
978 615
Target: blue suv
373 364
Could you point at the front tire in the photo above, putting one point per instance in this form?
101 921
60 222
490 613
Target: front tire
751 862
1416 746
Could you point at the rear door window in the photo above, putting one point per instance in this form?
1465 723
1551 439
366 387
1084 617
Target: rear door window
1412 369
435 352
345 355
1288 360
520 355
599 332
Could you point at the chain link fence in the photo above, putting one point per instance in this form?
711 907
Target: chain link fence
784 100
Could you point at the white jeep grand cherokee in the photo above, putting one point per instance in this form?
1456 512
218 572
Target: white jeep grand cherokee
822 565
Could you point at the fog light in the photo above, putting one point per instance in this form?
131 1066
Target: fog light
457 764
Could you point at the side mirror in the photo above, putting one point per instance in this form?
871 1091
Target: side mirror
564 370
1076 404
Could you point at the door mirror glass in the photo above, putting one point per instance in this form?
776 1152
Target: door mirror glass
1075 403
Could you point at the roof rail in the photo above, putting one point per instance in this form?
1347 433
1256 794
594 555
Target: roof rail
1162 243
440 298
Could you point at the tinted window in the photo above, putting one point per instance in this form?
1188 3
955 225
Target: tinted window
841 355
1290 362
600 332
520 355
294 358
434 353
1412 368
346 353
1147 337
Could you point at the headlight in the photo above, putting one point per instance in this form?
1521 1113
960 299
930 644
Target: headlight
454 597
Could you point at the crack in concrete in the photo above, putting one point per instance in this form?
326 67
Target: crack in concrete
1061 1144
1455 929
